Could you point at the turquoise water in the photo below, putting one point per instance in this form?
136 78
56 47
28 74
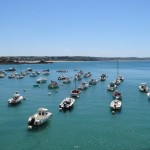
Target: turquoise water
90 125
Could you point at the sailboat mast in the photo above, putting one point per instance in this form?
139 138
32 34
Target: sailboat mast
75 82
117 69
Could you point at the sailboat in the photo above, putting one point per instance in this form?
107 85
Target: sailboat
76 92
119 78
20 75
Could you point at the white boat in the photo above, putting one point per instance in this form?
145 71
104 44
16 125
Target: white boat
67 80
115 104
53 85
2 75
121 78
19 76
67 103
83 86
78 76
93 82
11 76
117 81
46 73
41 80
39 118
17 98
117 95
103 77
143 87
29 69
11 69
111 86
87 75
33 74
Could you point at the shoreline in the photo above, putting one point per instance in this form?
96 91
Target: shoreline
43 60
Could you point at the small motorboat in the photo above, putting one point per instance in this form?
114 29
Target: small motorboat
103 77
41 80
93 82
53 85
87 75
143 87
117 95
39 118
66 81
12 76
116 104
11 69
111 86
19 76
121 78
78 76
17 98
67 103
83 86
2 75
29 69
46 73
33 74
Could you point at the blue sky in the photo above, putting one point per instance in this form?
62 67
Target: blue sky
104 28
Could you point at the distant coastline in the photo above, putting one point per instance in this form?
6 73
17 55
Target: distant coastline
51 59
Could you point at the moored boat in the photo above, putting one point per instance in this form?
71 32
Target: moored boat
17 98
2 75
83 86
61 77
111 86
11 69
143 87
93 81
67 103
103 77
53 85
39 118
66 80
41 80
116 104
87 75
75 93
117 95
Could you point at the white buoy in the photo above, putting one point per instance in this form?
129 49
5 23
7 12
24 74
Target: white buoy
49 93
113 112
56 90
30 127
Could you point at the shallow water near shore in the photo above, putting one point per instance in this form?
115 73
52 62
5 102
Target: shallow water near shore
90 125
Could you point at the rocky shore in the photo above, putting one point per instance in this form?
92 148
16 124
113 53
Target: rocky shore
51 59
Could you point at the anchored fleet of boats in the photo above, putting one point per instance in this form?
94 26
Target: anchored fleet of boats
67 103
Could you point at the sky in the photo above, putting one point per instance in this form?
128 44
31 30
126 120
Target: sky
96 28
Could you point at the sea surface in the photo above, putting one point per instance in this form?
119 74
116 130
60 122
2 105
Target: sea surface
90 125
